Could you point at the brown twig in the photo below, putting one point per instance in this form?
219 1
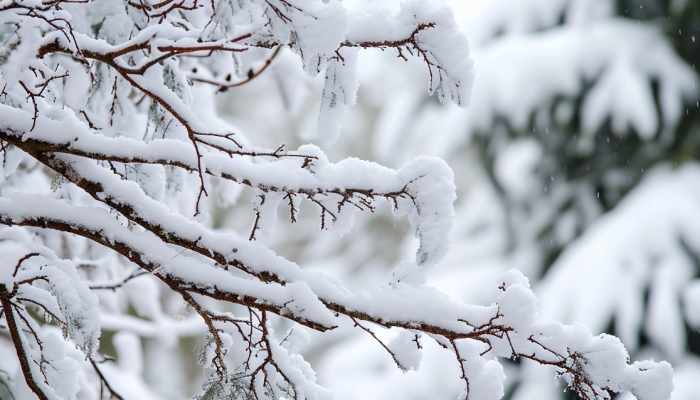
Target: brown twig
17 341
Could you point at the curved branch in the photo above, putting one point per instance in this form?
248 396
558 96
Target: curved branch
225 85
23 357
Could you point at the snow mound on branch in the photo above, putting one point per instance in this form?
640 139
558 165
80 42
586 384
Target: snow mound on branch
436 37
430 183
486 377
405 348
590 364
316 27
418 29
66 296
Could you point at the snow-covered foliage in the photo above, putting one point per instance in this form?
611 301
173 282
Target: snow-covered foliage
113 157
